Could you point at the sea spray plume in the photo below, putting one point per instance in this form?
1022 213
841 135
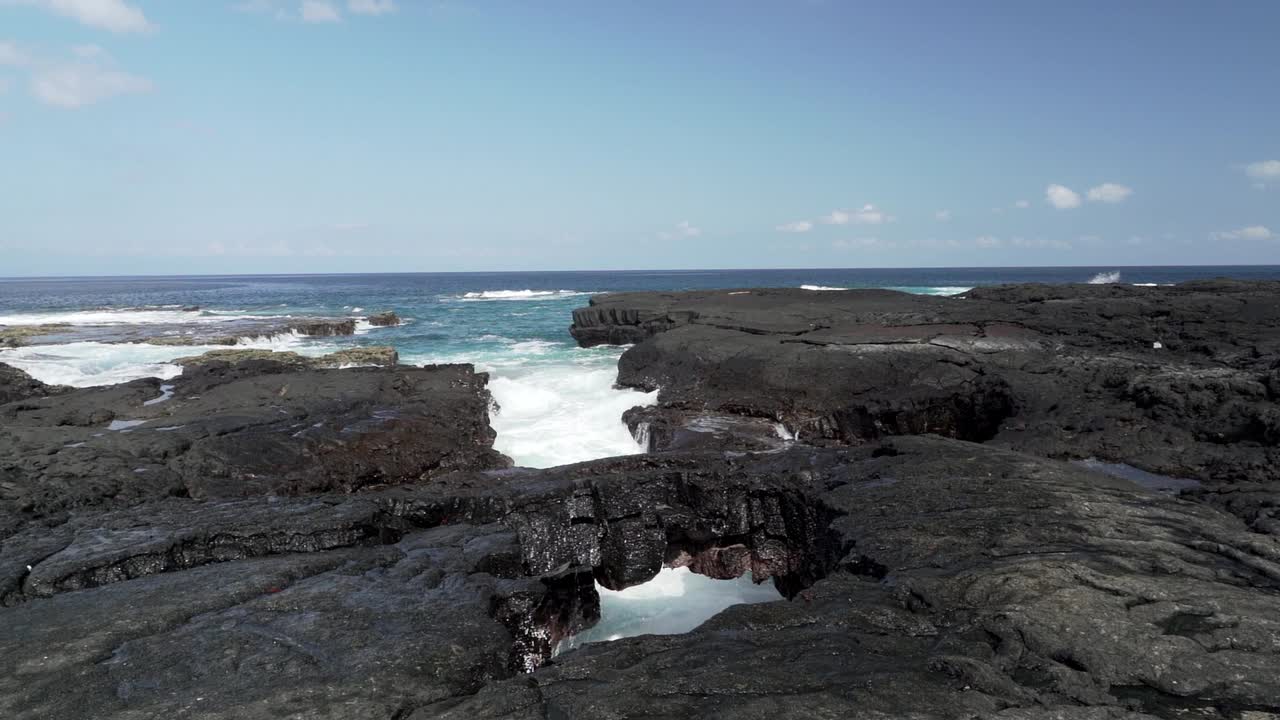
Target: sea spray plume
1105 278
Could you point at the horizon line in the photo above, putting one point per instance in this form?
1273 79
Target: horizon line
8 278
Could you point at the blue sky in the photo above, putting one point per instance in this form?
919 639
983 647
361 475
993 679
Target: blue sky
175 136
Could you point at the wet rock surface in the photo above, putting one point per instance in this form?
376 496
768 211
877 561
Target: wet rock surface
376 355
384 319
198 330
16 384
1181 381
230 429
928 577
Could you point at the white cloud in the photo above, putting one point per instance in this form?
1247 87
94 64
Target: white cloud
855 243
943 215
315 11
75 85
86 76
1022 204
371 7
987 241
682 230
114 15
319 11
1264 170
1062 197
796 226
1253 232
12 56
1109 193
866 215
1040 243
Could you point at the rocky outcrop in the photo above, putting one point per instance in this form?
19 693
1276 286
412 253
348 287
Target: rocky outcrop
222 429
20 335
374 356
384 319
18 385
927 578
324 328
226 331
1178 380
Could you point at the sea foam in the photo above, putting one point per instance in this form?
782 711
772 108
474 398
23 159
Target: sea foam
522 294
559 413
129 316
86 364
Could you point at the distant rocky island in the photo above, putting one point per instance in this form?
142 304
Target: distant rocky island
1030 502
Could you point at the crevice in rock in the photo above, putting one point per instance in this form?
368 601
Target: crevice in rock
780 535
538 619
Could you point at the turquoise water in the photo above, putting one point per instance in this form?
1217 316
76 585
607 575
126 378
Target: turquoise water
556 400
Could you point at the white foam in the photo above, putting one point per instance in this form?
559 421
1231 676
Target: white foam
1105 278
534 347
521 294
674 601
85 364
124 425
555 414
128 316
817 288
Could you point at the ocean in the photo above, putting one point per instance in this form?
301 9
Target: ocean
557 403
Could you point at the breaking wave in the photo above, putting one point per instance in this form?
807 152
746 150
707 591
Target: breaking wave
85 364
522 294
129 316
1105 278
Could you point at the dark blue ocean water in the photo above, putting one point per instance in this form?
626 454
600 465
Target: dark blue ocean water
513 325
448 319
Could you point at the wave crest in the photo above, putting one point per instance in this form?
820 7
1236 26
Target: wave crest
521 294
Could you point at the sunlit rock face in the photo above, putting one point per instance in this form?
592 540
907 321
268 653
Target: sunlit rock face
675 601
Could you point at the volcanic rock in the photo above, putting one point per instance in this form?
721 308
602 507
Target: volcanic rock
378 356
252 427
1178 381
384 319
16 384
927 578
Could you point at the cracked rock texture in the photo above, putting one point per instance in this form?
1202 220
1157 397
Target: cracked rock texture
257 540
928 578
233 429
1181 381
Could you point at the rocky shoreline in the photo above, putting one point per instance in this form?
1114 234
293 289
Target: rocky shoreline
209 330
1181 381
264 538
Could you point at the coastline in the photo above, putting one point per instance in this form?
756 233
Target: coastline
356 531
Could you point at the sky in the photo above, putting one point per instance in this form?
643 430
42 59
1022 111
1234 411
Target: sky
244 136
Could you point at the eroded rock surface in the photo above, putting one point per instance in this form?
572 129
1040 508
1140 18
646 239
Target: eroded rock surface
928 578
230 429
376 355
1182 381
16 384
